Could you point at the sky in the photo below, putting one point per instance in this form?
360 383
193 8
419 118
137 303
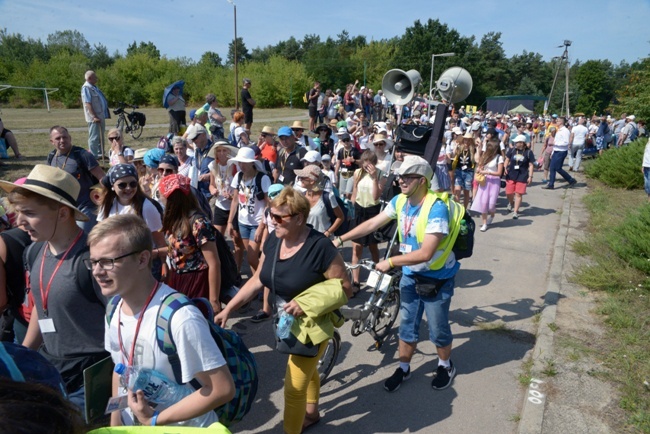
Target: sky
616 30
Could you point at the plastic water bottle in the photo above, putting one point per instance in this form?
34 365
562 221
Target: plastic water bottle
156 386
461 241
284 325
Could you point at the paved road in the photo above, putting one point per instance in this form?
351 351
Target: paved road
498 292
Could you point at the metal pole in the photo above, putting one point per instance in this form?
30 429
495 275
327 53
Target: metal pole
550 95
566 91
290 92
236 73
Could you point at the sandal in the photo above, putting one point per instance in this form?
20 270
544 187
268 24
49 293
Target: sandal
308 423
356 288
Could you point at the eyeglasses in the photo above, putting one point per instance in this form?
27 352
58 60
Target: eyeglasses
280 218
345 140
380 144
106 263
114 138
406 179
166 171
124 185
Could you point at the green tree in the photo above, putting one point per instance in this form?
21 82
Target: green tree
634 96
595 86
71 41
147 48
210 58
488 66
242 52
100 57
14 48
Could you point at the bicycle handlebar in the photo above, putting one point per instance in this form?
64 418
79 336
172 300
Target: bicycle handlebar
364 263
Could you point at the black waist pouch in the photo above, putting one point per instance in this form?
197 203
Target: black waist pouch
428 286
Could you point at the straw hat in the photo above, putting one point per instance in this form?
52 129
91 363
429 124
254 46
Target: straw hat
380 137
138 154
297 125
212 153
52 183
268 130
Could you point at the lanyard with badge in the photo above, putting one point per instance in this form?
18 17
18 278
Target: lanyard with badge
408 223
47 324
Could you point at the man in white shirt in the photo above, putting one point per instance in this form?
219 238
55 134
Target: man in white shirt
577 139
560 151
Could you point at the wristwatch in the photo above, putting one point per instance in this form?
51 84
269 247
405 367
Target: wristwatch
120 154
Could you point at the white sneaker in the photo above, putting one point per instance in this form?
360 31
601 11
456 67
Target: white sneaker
483 228
489 220
509 207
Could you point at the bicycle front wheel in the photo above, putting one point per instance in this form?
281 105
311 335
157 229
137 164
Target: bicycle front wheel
382 319
136 130
331 354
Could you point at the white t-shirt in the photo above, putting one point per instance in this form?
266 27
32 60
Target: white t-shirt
222 182
150 213
196 349
251 209
493 165
579 134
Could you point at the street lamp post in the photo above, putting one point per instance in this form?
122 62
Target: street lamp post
433 58
235 50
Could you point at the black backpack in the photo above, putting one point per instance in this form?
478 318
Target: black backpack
464 244
345 226
259 193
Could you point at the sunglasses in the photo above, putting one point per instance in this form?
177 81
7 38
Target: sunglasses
345 140
114 138
124 185
166 171
407 179
281 218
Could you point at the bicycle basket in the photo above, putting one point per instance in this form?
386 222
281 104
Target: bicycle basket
138 117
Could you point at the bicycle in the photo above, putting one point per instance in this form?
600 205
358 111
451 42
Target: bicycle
133 122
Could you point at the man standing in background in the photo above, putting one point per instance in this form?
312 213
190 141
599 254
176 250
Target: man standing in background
96 112
247 104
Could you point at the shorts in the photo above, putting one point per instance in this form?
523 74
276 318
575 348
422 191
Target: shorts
413 306
600 143
463 179
646 179
248 117
515 187
220 216
313 111
247 232
547 161
346 184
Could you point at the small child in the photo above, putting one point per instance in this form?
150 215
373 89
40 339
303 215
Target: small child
326 163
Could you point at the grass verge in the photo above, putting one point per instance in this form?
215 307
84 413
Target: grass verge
618 265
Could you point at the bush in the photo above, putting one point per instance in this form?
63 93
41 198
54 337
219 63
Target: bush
620 167
632 240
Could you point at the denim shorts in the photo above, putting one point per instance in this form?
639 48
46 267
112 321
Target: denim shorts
463 178
646 179
247 232
413 306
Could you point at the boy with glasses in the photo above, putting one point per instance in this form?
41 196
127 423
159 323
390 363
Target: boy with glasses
67 321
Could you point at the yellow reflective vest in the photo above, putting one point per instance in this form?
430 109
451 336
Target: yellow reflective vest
456 213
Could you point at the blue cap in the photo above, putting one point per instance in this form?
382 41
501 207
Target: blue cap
274 190
285 131
192 113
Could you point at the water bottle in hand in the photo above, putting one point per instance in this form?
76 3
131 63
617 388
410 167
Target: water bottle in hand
156 386
284 325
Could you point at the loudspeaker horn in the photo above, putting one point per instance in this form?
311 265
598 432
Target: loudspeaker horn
454 85
399 86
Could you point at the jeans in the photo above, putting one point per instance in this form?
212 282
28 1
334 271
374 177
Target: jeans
413 306
557 160
575 157
95 137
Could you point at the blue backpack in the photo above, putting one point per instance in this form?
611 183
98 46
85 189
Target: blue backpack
241 362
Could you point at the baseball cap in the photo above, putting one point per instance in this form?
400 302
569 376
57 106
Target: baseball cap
312 157
274 190
519 138
285 132
197 130
19 363
326 157
415 165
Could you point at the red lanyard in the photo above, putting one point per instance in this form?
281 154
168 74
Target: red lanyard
408 222
44 296
137 327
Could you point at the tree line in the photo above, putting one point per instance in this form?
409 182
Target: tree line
283 72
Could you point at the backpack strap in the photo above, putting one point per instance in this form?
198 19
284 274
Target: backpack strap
328 206
111 308
168 307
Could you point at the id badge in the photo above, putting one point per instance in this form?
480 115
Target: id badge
464 167
281 179
117 403
517 167
405 248
46 325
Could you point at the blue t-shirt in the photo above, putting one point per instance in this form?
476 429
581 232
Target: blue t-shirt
438 223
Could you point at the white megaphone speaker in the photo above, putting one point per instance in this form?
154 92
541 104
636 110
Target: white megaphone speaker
454 85
399 86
